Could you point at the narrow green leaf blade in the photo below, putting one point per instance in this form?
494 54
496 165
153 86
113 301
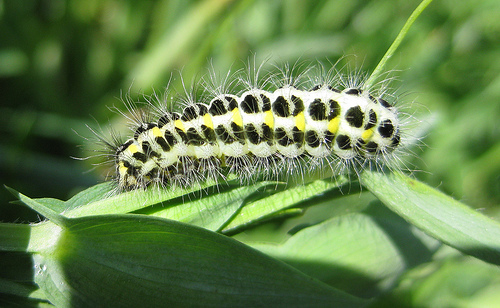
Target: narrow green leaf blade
438 215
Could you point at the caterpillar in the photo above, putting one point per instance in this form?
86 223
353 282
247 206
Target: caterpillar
258 132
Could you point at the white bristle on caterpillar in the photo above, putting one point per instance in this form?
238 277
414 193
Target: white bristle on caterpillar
260 132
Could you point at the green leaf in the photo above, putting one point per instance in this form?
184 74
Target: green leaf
131 201
358 253
56 205
211 211
127 260
264 208
350 252
208 205
121 260
89 195
44 207
93 194
229 206
436 214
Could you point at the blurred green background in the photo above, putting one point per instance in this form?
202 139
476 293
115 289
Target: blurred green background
64 63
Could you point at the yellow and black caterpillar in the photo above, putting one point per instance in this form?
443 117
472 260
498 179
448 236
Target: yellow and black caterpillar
259 132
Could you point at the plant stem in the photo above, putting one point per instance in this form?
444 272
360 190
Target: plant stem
390 52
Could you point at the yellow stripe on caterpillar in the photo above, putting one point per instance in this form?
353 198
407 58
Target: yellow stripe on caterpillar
180 125
269 119
237 117
157 132
207 120
133 148
367 134
333 125
300 121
